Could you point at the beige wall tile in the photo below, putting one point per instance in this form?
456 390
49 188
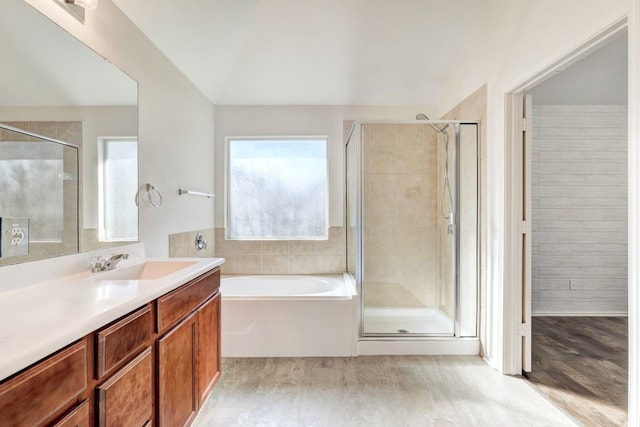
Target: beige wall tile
410 136
380 161
410 212
408 161
330 264
222 245
378 214
381 241
248 264
178 245
408 186
302 247
248 247
275 264
380 186
381 136
229 266
275 247
303 264
335 245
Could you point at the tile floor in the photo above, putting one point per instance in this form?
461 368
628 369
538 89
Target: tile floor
374 391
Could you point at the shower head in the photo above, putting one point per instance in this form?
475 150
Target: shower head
422 116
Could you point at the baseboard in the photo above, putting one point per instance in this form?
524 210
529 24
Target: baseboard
582 314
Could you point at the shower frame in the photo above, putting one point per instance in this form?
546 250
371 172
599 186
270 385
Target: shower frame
359 227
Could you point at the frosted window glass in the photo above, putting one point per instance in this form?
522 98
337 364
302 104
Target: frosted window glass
277 189
119 186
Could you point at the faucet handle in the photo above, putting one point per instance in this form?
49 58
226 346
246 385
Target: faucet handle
97 263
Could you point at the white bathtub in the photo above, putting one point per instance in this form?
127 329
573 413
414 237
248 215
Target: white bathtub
287 316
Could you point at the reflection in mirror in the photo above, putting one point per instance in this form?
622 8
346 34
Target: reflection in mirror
39 196
56 87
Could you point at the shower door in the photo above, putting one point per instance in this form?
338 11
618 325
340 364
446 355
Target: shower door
403 228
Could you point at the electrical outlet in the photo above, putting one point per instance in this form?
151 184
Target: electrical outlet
14 236
17 235
572 284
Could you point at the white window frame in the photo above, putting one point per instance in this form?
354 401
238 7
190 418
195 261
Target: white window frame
228 140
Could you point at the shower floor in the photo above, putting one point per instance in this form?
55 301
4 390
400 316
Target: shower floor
404 321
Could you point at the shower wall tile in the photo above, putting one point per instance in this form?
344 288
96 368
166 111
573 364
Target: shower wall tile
399 253
409 186
380 160
379 213
283 256
380 186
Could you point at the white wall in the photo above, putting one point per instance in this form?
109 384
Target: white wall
176 122
524 37
301 120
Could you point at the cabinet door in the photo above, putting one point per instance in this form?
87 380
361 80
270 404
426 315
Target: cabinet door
78 417
45 391
208 348
126 399
177 399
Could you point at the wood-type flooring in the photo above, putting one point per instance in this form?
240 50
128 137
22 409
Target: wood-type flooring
581 364
371 391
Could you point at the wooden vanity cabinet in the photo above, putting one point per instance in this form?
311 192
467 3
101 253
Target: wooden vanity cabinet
126 399
47 391
128 372
188 354
77 417
208 355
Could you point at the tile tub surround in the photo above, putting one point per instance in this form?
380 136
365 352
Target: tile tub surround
579 203
282 256
182 245
373 391
48 313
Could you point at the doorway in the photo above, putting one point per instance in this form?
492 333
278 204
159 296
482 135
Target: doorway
574 167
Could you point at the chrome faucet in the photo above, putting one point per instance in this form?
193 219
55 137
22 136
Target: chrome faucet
111 262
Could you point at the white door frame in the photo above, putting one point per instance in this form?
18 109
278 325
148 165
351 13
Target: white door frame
513 265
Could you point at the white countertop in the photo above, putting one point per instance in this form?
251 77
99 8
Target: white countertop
38 320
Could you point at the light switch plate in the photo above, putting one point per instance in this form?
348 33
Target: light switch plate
14 239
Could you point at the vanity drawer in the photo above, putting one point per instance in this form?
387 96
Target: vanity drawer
183 301
115 343
46 390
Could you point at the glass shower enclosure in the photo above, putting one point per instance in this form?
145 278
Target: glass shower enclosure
412 227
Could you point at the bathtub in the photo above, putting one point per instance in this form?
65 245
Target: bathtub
287 316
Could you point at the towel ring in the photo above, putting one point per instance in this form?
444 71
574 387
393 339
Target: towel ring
151 189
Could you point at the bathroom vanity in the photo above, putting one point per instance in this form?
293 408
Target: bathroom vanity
154 365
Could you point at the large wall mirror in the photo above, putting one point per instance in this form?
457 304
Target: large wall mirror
68 143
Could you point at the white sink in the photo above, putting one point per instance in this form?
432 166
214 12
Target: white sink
149 270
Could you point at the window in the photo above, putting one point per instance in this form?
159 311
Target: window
277 188
117 186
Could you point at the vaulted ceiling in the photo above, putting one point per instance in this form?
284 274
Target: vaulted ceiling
314 52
